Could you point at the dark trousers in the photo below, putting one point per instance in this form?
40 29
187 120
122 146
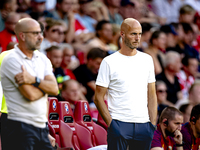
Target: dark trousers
3 131
22 136
136 136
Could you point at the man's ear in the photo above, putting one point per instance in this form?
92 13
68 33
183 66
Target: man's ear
165 122
22 36
122 34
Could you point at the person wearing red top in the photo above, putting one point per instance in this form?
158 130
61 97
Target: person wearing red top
168 135
8 35
191 130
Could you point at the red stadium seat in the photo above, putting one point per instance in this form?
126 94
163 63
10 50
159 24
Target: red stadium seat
53 119
54 113
83 117
100 120
81 137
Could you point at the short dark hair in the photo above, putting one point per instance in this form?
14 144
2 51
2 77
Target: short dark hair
185 60
96 53
187 28
99 26
195 113
146 27
169 113
184 107
3 2
52 48
155 35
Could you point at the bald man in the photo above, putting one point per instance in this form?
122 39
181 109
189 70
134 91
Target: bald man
128 75
27 78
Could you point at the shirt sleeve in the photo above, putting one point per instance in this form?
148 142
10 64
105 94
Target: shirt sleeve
9 68
103 78
48 67
151 77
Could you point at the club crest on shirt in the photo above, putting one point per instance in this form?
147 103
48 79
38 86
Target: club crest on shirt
54 105
86 108
66 108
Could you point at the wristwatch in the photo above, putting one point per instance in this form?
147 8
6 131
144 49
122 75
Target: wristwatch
37 82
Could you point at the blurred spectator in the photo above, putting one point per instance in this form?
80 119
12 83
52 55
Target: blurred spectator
146 35
194 96
166 10
114 44
39 17
187 75
186 14
8 34
71 92
23 5
69 60
186 110
172 66
191 130
161 92
127 9
168 135
6 6
64 11
55 54
103 37
187 41
52 32
113 8
171 35
87 7
157 43
86 74
39 6
75 6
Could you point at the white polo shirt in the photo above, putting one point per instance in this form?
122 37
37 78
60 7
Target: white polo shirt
20 109
127 78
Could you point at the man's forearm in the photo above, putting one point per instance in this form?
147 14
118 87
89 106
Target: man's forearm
49 85
30 92
100 104
152 103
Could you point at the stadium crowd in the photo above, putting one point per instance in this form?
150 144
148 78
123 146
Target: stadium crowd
78 34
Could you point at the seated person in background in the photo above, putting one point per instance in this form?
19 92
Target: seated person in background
194 95
69 60
8 34
187 75
157 43
55 54
186 110
52 34
146 35
186 14
104 34
172 66
86 74
191 130
161 92
39 6
71 92
168 135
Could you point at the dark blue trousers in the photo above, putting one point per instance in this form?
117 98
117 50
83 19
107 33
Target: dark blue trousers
22 136
136 136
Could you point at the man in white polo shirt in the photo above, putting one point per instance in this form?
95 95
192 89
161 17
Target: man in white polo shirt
129 77
27 78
